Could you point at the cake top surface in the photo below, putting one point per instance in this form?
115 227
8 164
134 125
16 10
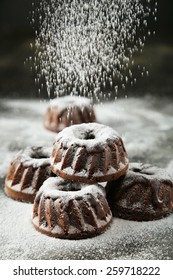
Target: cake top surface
56 187
89 135
147 171
35 156
146 177
69 101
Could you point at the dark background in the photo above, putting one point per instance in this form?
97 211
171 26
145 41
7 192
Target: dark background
16 34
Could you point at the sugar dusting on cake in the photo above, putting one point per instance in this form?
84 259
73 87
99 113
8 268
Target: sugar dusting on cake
149 172
88 135
51 189
67 102
35 156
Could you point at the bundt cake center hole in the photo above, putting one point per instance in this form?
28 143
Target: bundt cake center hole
89 135
37 155
72 187
138 170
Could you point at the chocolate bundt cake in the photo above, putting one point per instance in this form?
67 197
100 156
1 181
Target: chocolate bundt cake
89 153
27 172
144 193
65 209
67 110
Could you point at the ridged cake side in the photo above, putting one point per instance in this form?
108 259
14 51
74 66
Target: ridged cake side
59 116
25 176
104 163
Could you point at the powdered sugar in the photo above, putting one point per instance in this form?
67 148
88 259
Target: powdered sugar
52 188
123 239
35 156
146 139
17 187
89 135
65 102
86 48
148 171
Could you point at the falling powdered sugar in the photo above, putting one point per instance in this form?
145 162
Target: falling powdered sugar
87 48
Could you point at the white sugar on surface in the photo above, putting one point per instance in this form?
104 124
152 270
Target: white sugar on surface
86 47
21 126
123 240
169 168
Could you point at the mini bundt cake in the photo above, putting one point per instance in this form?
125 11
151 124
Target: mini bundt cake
68 110
89 153
27 172
144 193
65 209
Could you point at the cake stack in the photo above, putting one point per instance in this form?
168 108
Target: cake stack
66 181
73 204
